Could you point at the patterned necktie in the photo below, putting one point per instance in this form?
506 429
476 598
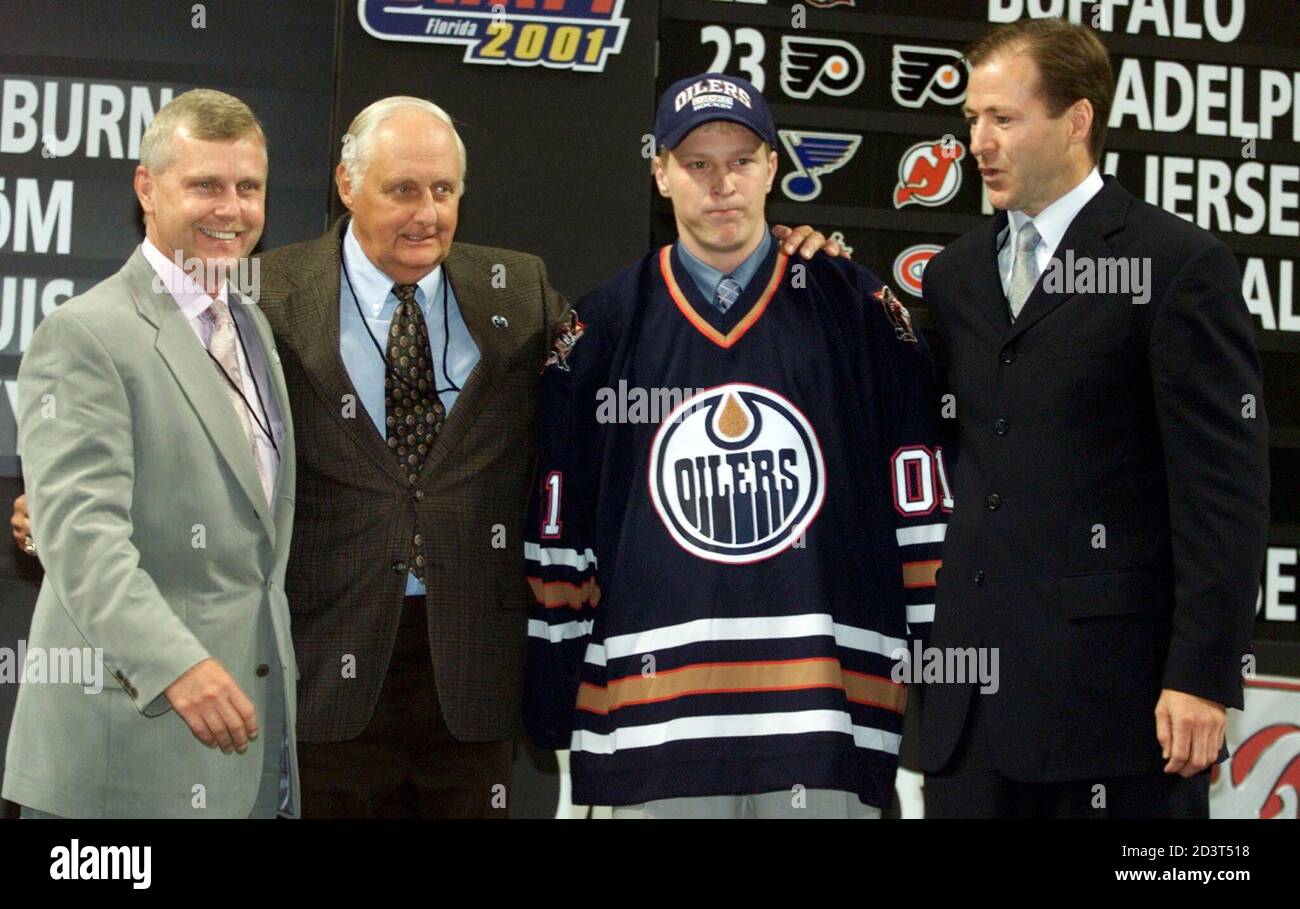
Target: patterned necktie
728 292
414 412
1024 270
222 347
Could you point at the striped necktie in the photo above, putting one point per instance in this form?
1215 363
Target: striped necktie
728 292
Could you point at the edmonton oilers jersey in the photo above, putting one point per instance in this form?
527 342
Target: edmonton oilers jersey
734 533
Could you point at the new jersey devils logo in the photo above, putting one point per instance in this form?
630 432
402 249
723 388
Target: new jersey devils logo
928 173
1263 778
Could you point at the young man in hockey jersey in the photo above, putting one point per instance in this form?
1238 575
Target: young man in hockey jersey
727 570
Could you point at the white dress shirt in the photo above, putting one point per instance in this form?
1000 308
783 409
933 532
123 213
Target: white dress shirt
1051 223
194 303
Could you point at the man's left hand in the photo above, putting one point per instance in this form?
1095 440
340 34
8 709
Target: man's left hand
806 241
1190 731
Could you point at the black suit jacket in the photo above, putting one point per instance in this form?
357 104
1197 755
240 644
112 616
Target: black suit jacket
356 513
1111 493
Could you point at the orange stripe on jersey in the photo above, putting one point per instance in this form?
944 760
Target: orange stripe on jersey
742 678
565 593
920 574
700 323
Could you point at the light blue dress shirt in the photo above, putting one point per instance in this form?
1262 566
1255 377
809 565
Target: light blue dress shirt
453 350
706 277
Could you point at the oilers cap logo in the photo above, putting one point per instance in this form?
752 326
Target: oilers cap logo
736 474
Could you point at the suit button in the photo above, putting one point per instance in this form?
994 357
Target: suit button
995 502
417 540
979 577
417 495
263 671
1001 426
1009 356
399 567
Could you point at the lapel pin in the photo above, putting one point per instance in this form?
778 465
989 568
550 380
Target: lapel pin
500 321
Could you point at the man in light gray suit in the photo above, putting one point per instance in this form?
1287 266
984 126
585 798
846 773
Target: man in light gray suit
159 467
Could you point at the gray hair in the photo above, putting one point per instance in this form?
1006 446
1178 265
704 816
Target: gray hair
210 115
358 142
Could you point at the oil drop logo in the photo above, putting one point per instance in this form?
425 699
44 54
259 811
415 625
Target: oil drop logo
736 474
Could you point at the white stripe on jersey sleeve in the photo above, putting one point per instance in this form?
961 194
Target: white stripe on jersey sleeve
562 631
920 612
922 533
547 556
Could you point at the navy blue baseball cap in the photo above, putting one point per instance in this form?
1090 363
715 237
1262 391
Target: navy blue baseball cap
696 100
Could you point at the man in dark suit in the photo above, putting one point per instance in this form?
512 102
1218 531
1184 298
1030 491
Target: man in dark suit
1111 470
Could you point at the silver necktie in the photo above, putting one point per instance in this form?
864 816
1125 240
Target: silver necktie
1024 269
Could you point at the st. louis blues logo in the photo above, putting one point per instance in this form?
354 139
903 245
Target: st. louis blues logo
923 74
809 65
561 34
814 154
736 474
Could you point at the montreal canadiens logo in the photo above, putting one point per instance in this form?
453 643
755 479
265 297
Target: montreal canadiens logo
736 474
910 266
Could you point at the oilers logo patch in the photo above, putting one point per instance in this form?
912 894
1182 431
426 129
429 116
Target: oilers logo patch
897 313
563 343
736 474
561 34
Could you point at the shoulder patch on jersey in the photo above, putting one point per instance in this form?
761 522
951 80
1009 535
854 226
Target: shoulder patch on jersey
897 313
564 341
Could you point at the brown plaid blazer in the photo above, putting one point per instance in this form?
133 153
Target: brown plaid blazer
356 513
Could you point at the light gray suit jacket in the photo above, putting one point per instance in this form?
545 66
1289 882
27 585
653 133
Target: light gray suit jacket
159 550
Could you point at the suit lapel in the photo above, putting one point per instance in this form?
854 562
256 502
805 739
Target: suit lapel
1084 239
983 281
200 382
315 322
479 302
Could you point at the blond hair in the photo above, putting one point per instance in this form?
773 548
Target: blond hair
208 114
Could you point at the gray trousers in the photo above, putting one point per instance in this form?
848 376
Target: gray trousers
820 804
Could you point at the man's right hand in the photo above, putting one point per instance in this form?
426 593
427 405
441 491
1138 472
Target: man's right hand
21 522
211 703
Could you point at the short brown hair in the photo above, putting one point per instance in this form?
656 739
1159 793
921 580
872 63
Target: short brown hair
213 116
1072 65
